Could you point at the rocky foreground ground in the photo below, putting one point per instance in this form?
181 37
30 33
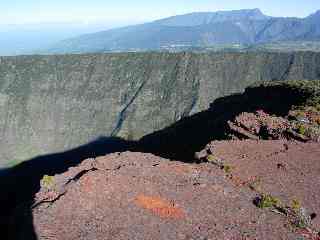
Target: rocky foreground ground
245 190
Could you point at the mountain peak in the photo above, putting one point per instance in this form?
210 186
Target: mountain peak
245 10
199 18
255 12
315 15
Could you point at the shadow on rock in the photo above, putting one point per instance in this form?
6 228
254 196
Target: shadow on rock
181 140
20 183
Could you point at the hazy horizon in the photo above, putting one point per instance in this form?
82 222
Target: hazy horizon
20 12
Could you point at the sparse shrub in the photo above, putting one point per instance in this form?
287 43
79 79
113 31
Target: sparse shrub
211 158
300 114
215 160
267 201
300 218
47 181
298 215
295 205
219 162
227 168
301 129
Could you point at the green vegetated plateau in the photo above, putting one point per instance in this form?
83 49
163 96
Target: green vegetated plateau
54 103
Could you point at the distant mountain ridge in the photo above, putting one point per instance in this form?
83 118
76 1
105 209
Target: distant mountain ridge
202 29
194 19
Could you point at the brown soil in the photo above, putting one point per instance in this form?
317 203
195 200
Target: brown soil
141 196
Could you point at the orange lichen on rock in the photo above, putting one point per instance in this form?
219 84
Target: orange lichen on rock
160 207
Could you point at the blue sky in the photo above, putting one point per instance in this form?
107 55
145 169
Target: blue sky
128 11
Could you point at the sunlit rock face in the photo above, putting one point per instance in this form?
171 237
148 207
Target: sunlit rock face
54 103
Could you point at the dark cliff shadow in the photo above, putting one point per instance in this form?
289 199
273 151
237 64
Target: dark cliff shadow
181 140
20 183
177 142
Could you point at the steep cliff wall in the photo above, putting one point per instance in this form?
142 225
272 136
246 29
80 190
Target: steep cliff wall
53 103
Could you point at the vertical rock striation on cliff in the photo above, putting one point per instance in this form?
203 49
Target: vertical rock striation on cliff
54 103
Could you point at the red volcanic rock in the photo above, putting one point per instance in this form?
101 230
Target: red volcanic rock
141 196
287 170
260 125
